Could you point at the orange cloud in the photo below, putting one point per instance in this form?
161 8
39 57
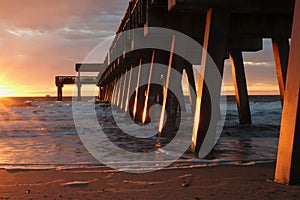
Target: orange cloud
42 39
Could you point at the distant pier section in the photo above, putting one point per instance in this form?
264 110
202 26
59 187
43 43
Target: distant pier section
60 81
79 80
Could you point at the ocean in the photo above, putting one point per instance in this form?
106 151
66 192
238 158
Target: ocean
37 132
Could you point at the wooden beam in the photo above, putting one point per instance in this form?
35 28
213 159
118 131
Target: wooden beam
281 50
288 157
89 67
245 44
260 25
214 45
239 6
240 86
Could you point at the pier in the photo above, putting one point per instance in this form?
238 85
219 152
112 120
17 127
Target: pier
60 81
79 80
225 29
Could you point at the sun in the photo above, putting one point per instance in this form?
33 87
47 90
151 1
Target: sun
7 88
5 91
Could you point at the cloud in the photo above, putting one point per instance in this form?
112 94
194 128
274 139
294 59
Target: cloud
84 33
41 39
259 68
259 64
24 32
52 15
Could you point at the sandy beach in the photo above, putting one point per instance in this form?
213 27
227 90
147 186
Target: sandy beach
220 182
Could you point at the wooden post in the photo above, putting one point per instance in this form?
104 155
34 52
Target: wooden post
172 105
115 92
166 88
100 92
192 86
240 86
288 157
120 92
143 75
156 90
125 85
129 85
135 104
78 87
131 93
214 45
78 92
281 49
146 108
111 92
59 92
178 66
106 93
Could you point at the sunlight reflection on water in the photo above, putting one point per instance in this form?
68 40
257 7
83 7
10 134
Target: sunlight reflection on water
38 132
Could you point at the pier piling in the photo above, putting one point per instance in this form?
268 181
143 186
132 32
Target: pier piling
281 49
214 45
288 157
240 86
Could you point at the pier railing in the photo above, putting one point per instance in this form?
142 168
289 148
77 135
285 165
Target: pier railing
63 80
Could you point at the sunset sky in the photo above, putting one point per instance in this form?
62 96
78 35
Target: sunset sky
42 39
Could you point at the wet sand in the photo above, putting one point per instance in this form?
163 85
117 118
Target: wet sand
220 182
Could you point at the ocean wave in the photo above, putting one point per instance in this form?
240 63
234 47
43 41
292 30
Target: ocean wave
43 133
134 167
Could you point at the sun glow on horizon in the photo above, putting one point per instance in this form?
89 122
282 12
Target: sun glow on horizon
11 88
5 91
